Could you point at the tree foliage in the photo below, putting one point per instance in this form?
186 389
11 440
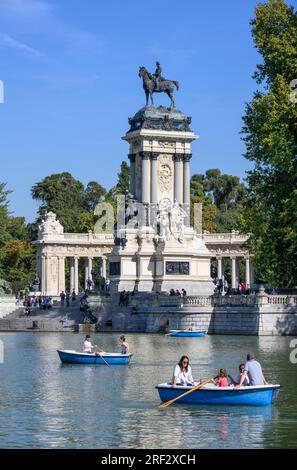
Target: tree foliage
222 196
270 135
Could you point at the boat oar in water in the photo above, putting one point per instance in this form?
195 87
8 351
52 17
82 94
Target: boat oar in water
100 355
169 402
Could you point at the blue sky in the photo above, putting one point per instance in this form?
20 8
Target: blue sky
70 72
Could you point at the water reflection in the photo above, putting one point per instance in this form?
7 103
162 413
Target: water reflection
46 404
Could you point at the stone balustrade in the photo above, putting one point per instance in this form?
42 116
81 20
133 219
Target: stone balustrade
252 300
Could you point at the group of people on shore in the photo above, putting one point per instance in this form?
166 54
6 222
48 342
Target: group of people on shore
249 373
222 288
177 292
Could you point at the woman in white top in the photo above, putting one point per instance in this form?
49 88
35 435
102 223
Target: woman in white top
182 374
88 344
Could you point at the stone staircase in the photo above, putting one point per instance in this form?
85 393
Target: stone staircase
43 320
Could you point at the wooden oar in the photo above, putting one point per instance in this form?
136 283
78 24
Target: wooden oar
167 403
100 355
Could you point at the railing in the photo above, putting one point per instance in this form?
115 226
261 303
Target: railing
231 237
203 301
98 238
252 300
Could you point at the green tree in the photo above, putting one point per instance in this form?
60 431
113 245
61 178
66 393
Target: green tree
93 194
222 196
270 134
62 194
17 256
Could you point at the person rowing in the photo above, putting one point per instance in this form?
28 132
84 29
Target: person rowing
88 347
182 374
124 345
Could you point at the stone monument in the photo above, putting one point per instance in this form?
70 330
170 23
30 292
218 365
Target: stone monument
157 249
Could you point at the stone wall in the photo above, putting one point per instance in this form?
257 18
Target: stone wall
7 305
249 317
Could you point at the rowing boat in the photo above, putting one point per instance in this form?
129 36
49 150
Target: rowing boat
210 394
74 357
187 333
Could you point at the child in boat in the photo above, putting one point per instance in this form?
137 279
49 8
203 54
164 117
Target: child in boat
238 378
182 374
221 379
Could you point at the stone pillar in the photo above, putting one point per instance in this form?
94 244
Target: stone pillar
86 273
220 270
72 275
131 157
145 177
186 186
43 274
178 177
61 273
90 267
186 178
252 273
154 178
76 274
233 282
145 185
104 267
247 272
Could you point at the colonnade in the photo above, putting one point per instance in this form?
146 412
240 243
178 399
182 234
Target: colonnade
148 193
249 276
52 273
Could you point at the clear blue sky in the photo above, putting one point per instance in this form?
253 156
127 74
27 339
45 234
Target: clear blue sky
70 70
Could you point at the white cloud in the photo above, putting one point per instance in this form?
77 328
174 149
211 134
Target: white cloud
9 41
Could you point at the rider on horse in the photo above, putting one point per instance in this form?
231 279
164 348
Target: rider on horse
157 75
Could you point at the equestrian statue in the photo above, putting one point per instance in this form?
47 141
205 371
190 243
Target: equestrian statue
155 83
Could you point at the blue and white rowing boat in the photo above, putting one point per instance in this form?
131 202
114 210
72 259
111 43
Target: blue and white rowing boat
187 333
74 357
212 395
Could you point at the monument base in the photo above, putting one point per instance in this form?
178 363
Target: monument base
150 263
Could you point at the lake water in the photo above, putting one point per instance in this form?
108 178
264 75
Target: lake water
44 404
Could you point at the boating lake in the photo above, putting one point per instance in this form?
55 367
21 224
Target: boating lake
44 404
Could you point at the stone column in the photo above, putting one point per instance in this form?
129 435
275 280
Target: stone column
43 274
61 271
233 283
145 177
90 267
154 178
72 275
220 270
104 267
145 184
186 186
186 178
86 273
178 177
247 272
131 157
76 274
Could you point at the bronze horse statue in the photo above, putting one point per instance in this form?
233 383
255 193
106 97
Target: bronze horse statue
153 85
